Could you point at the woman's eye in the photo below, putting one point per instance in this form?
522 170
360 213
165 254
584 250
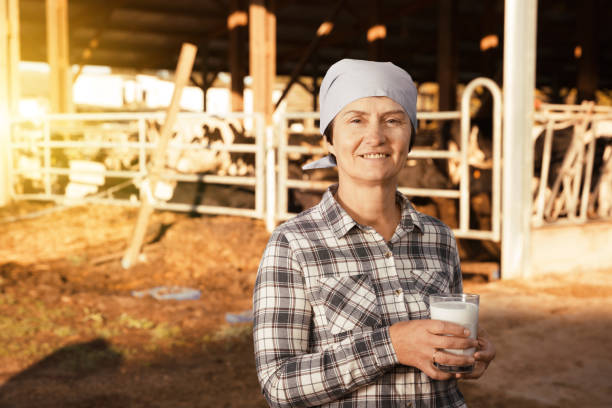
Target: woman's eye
355 120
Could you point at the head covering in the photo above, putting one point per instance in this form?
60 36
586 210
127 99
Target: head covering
348 80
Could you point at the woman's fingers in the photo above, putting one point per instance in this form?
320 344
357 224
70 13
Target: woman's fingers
451 342
451 359
440 327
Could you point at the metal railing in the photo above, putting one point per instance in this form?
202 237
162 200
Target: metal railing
38 139
462 193
569 198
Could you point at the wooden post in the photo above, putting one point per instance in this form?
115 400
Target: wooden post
58 56
447 56
181 78
9 88
236 24
262 55
587 62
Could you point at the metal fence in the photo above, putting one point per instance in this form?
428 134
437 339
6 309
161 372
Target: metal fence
571 196
76 131
462 193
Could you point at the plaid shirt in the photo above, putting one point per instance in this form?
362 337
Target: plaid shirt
327 291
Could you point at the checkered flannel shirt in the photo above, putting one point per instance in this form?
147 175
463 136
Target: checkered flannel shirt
327 291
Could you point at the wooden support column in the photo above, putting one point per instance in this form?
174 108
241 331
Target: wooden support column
588 74
9 88
236 24
447 56
376 33
58 56
262 55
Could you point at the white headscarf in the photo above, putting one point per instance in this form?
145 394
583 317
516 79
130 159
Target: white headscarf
348 80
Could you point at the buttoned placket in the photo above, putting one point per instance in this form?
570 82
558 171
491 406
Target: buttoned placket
398 307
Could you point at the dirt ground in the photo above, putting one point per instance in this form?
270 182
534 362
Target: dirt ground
73 335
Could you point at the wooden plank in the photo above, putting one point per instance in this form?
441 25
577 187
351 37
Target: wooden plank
236 24
58 56
262 55
9 88
182 74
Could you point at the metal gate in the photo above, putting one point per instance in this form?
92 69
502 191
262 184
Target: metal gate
462 193
86 132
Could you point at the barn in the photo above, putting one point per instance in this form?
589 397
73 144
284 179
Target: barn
560 48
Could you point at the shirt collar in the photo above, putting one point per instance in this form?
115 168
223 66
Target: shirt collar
341 223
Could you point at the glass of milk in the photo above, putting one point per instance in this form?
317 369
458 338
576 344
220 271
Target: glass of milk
460 308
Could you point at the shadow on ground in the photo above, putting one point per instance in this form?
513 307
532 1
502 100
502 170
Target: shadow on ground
94 375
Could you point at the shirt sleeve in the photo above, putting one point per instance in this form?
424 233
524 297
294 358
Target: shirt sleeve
290 374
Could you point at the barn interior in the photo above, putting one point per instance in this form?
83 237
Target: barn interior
277 48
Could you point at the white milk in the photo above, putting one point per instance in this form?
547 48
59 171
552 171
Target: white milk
465 314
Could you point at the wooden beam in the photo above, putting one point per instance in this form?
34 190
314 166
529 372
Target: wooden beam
236 23
588 69
58 55
182 74
9 88
447 55
262 55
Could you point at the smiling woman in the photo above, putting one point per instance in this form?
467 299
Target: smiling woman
341 307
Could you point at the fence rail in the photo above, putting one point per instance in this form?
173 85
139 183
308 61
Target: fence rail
271 150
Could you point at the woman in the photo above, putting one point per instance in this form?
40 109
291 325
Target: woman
341 297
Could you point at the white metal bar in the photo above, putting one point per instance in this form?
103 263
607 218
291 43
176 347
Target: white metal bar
520 18
283 169
205 178
433 154
464 167
474 234
260 171
315 185
304 149
47 156
142 154
271 181
127 116
443 115
541 199
575 108
56 144
588 174
430 192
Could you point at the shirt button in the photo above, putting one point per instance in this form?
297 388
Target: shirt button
398 292
388 254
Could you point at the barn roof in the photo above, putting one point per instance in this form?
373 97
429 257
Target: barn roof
147 34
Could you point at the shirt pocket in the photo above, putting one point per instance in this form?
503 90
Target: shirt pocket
349 302
431 281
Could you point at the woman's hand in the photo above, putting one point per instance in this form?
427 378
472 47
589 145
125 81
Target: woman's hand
418 342
485 353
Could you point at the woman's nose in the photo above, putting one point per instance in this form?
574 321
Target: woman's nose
375 135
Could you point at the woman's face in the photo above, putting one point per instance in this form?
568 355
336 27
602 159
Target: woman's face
371 137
